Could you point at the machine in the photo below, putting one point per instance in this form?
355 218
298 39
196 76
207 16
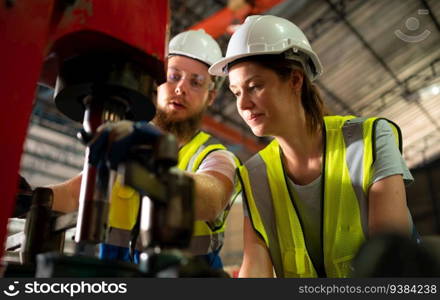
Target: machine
104 59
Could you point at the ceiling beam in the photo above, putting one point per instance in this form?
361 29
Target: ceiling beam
220 22
229 134
431 14
373 52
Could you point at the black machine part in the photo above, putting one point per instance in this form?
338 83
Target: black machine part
96 88
23 198
394 255
167 214
107 78
38 236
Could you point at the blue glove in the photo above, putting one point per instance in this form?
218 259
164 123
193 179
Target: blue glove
98 148
116 139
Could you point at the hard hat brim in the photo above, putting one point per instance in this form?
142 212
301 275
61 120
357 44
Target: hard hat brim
180 53
218 68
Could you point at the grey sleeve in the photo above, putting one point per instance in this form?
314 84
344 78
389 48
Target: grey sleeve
389 160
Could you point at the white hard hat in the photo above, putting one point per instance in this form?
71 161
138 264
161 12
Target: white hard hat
260 35
196 44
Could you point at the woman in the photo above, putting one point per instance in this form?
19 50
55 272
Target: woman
324 184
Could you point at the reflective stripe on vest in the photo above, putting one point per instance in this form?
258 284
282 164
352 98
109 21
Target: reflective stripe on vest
348 168
207 236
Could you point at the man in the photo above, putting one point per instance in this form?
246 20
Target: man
181 102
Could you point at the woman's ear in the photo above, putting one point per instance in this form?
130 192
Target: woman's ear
297 78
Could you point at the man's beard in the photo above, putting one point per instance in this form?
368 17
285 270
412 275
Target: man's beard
184 130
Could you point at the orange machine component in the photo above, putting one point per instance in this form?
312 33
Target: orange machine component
220 22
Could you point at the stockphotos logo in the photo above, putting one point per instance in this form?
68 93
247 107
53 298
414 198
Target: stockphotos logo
67 288
412 24
12 290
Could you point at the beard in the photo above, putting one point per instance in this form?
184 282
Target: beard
184 129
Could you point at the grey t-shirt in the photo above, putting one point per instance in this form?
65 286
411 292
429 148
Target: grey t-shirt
388 162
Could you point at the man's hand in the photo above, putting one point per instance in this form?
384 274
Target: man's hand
114 141
109 147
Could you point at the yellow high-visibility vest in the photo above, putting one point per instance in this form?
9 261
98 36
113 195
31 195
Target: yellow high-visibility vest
207 236
347 171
